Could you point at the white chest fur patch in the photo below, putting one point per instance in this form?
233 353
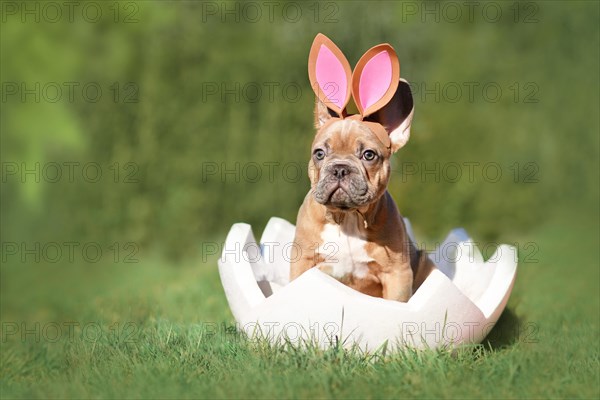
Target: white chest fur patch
344 250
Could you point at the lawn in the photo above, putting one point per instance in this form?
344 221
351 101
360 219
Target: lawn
158 330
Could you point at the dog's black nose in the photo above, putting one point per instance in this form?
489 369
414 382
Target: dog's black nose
340 170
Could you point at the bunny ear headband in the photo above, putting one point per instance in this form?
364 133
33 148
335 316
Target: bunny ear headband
373 85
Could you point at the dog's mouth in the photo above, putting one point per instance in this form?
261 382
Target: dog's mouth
342 194
339 198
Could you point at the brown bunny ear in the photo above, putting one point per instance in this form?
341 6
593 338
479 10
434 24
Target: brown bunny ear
329 74
375 78
396 116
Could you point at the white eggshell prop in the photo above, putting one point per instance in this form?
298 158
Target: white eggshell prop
458 304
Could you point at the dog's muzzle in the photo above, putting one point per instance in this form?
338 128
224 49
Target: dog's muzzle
342 185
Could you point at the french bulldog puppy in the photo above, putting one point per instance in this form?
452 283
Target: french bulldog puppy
349 226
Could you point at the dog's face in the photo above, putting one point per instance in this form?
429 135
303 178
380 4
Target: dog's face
349 166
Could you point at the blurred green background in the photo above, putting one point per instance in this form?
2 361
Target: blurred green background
187 87
144 130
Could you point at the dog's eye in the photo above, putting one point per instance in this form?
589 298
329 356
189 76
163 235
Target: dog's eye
369 155
319 154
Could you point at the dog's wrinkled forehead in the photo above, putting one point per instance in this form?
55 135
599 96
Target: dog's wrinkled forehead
346 135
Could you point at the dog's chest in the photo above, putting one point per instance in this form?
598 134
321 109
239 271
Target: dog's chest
343 251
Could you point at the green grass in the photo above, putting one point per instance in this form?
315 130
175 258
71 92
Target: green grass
180 340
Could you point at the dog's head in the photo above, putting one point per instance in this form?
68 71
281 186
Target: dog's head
350 163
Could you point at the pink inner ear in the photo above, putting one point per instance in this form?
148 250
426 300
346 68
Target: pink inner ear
331 77
375 79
